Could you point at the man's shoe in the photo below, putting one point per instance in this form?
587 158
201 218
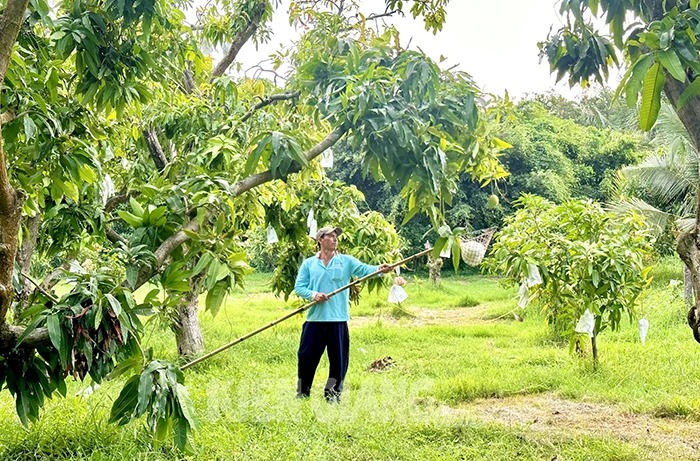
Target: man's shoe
332 396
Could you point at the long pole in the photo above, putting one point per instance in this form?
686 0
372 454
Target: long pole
295 312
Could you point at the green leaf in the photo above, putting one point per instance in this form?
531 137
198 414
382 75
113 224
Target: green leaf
53 322
29 127
71 190
186 405
631 82
126 366
98 312
87 174
651 97
130 219
439 245
688 94
203 262
669 59
215 296
132 275
61 387
456 253
410 214
157 216
32 326
261 142
22 406
114 303
136 206
123 408
145 391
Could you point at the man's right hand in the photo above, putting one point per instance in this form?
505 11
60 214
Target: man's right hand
320 297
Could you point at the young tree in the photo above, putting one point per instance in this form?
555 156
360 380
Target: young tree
587 259
659 43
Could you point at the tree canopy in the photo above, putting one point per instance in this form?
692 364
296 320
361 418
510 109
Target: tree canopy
658 41
123 141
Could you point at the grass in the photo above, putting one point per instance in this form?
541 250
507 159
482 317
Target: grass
413 410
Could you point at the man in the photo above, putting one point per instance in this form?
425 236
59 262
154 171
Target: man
326 325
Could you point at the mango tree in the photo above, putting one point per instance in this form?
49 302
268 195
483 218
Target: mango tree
74 79
658 40
572 258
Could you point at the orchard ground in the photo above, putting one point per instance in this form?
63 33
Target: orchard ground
465 380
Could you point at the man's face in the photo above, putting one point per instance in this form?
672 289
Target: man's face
329 242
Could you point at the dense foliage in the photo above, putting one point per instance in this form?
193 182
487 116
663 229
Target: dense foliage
121 141
587 260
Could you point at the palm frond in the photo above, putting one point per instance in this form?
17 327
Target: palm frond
670 134
685 224
664 177
656 219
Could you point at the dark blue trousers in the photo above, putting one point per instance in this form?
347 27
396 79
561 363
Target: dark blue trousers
316 337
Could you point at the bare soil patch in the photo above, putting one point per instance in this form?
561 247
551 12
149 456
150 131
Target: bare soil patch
423 317
660 438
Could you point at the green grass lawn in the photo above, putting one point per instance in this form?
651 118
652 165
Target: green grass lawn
453 346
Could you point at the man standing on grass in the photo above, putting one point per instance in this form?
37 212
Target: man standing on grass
326 325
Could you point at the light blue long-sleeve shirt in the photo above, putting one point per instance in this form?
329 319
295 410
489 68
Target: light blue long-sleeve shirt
314 277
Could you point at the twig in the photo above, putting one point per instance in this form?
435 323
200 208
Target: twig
38 287
267 101
381 15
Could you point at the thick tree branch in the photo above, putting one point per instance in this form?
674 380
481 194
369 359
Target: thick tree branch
241 38
267 101
180 237
255 180
121 197
9 334
10 23
155 149
188 85
690 117
7 196
7 117
114 237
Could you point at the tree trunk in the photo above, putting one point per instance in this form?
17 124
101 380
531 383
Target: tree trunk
9 228
24 261
688 245
594 349
688 287
188 333
10 200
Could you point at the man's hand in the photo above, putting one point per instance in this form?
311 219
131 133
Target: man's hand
385 268
320 297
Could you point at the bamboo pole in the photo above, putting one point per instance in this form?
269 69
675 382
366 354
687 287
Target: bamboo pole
295 312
